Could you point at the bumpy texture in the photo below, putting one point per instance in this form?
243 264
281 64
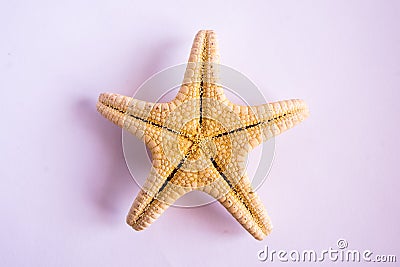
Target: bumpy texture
200 141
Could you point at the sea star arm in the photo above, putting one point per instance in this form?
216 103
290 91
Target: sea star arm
158 193
231 186
266 121
233 190
200 80
139 117
275 118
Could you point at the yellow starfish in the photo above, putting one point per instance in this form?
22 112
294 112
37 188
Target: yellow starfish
200 140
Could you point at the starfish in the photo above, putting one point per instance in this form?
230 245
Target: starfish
200 141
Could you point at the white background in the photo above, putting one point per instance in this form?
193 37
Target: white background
65 188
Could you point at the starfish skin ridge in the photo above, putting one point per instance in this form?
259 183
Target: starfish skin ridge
200 141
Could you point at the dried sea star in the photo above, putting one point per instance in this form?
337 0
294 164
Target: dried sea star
200 140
